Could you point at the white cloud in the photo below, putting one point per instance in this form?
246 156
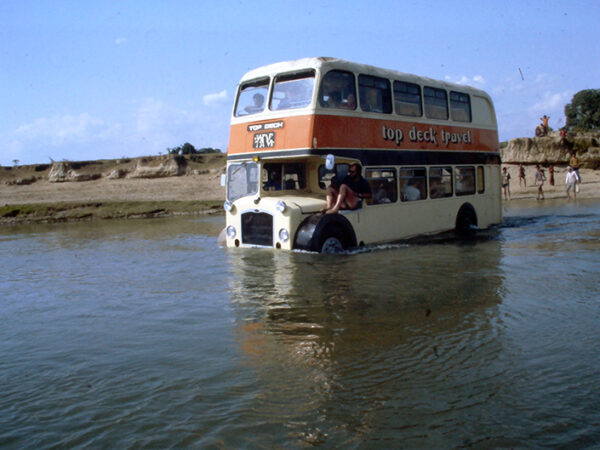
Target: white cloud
216 99
120 40
475 80
61 129
551 102
148 129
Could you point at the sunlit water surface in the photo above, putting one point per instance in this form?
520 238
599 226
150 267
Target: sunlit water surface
145 334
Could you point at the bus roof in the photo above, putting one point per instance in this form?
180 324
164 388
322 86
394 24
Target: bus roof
327 63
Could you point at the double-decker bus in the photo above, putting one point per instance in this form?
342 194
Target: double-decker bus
428 149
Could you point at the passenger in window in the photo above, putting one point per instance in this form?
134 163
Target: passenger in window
410 192
274 181
352 191
350 102
334 100
381 195
259 101
436 188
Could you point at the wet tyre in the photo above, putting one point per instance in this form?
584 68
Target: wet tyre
466 220
333 240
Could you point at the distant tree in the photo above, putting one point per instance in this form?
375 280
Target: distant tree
583 113
188 149
209 150
16 162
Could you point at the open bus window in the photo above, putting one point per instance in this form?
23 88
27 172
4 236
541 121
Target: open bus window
374 94
283 176
293 90
242 180
407 99
480 180
326 176
440 182
465 180
383 185
251 97
436 103
338 90
460 107
413 184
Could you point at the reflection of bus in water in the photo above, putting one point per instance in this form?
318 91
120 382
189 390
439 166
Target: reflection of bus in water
429 151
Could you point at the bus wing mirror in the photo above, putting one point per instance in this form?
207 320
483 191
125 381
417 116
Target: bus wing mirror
329 162
223 179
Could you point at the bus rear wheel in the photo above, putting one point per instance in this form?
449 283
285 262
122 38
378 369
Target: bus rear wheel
466 220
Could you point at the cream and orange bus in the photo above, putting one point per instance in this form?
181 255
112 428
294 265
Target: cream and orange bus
429 150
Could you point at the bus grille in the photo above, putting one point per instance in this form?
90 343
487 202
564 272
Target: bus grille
257 229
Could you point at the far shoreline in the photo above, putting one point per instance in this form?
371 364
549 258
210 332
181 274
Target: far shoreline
195 193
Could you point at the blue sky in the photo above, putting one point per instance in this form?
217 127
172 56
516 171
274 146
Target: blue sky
86 80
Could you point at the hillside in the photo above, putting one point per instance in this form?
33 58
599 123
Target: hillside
168 185
123 188
553 149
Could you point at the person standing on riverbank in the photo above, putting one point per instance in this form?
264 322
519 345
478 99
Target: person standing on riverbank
574 163
571 181
539 181
522 175
506 183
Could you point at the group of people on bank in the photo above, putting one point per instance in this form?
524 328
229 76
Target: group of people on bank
572 179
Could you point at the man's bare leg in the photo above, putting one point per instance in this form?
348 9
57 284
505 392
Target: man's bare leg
346 198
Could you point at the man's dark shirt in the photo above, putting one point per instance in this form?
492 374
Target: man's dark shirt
360 187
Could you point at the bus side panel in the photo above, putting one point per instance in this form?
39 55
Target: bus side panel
358 132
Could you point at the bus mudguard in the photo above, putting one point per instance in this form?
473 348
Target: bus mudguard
318 227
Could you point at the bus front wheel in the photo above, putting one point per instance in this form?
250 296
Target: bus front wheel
333 240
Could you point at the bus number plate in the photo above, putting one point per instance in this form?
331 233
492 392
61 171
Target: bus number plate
264 140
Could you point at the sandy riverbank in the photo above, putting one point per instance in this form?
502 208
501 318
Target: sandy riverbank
590 187
200 192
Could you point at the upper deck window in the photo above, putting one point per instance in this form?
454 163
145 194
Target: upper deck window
460 106
375 94
407 99
251 97
436 103
338 90
293 90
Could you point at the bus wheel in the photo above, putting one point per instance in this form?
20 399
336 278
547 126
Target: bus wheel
332 245
333 240
466 220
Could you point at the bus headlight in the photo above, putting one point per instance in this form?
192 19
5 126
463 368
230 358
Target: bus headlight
284 235
280 206
228 206
231 232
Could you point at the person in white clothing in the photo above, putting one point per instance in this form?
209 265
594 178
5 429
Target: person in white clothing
571 181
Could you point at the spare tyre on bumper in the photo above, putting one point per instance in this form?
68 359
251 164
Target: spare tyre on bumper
325 233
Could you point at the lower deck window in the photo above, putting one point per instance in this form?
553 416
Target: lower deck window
465 180
413 184
440 182
480 180
383 185
335 176
283 176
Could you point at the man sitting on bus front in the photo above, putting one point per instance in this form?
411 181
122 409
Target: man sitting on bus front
351 192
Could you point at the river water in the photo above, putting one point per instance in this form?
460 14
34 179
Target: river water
145 334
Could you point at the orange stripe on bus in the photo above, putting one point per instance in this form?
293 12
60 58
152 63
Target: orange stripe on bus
333 131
